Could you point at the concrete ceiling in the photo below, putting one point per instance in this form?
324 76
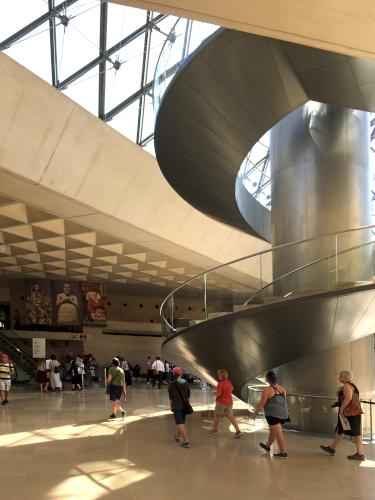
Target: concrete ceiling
37 244
344 26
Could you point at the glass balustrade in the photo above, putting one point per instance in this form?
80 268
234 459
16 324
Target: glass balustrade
307 267
315 413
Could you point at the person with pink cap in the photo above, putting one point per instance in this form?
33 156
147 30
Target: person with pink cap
179 394
6 370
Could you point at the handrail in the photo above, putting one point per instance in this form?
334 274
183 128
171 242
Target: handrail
255 389
14 332
9 342
17 348
256 254
309 264
369 402
22 341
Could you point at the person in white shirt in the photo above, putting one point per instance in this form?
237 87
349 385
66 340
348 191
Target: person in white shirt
54 376
167 373
158 371
80 371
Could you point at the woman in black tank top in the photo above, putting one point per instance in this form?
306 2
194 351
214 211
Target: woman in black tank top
349 409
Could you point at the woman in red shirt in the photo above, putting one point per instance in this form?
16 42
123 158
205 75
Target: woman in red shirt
224 402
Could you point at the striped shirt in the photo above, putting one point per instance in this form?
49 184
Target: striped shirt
5 370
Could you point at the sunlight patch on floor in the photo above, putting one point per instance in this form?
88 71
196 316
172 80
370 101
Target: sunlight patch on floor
98 478
56 434
368 463
105 428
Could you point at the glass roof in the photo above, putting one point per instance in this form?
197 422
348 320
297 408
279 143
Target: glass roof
100 54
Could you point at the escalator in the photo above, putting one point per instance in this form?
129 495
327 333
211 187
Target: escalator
20 355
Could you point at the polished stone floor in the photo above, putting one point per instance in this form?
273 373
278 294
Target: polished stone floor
60 447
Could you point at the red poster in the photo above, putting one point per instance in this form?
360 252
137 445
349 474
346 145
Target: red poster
94 299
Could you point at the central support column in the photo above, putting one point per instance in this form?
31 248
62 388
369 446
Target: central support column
320 185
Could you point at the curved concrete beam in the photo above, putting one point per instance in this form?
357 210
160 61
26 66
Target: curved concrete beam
231 91
341 26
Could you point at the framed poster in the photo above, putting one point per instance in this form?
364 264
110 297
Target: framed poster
94 300
67 304
38 305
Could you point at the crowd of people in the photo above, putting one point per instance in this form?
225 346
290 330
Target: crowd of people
273 402
79 369
160 373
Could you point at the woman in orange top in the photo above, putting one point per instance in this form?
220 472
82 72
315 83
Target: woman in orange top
224 403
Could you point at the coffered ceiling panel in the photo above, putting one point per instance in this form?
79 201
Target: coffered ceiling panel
37 244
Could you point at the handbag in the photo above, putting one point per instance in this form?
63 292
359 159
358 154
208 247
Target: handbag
354 407
188 409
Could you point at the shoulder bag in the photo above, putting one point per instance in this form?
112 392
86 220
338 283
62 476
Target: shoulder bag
188 409
108 388
354 407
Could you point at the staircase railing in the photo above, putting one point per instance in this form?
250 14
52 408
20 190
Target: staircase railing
21 351
288 291
319 409
331 261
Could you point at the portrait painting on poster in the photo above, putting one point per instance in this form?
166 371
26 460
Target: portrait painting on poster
94 300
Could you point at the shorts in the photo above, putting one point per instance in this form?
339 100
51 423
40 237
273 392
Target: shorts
179 416
5 385
276 420
223 410
115 392
355 426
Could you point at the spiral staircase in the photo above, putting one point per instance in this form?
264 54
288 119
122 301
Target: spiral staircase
222 99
